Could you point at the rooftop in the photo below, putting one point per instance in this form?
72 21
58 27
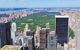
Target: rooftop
10 47
61 16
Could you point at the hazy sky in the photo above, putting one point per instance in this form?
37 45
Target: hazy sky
39 3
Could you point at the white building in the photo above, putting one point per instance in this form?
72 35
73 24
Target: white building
52 43
13 31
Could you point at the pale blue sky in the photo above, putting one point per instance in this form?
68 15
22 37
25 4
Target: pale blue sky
39 3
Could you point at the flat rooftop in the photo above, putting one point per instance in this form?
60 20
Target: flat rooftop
10 47
61 16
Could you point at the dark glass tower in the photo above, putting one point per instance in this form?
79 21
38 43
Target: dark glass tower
62 29
5 34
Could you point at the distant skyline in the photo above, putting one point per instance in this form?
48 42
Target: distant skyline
38 3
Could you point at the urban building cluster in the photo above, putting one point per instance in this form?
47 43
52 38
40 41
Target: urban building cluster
9 16
41 39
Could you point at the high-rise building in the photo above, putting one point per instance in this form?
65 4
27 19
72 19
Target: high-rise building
52 42
27 41
31 42
36 36
5 34
23 43
43 38
62 29
13 31
26 29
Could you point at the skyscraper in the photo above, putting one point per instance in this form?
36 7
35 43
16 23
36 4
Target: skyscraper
52 43
26 29
13 31
5 34
36 36
43 38
62 29
30 39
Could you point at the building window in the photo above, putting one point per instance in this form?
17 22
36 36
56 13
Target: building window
51 38
36 40
51 45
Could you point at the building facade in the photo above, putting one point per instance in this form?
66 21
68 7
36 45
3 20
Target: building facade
13 31
52 42
5 34
43 38
62 29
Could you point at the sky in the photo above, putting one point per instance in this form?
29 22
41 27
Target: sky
38 3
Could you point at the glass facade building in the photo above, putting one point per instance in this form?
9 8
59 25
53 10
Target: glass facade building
62 29
5 34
